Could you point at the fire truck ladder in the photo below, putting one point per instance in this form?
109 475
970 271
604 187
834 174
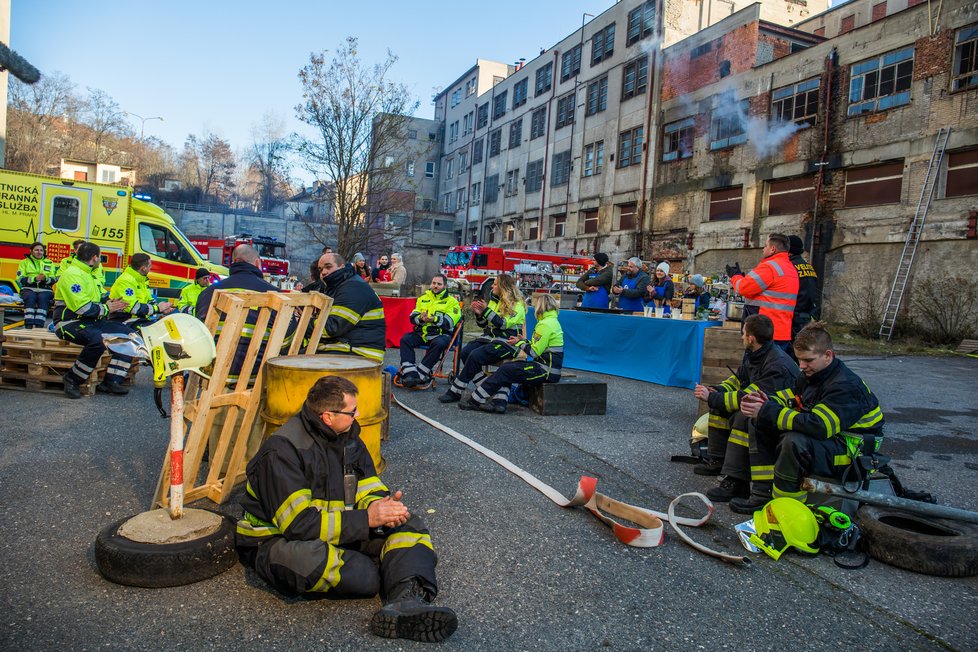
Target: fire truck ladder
899 288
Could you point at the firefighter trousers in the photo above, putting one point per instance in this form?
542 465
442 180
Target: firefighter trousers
729 443
789 457
498 383
436 347
296 567
36 305
88 334
476 355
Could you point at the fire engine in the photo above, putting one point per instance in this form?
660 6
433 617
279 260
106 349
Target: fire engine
475 264
271 250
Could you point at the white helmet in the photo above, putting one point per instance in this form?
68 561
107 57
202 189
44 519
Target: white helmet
178 342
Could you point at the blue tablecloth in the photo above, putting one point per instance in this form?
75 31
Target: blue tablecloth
663 351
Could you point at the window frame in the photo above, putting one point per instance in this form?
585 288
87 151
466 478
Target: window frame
495 142
785 100
640 23
544 79
560 169
965 38
490 194
632 215
499 105
722 128
869 74
516 133
593 159
519 92
862 198
429 169
538 123
566 108
570 63
597 97
477 151
482 116
476 193
603 44
590 219
638 69
627 141
558 219
674 135
718 196
534 176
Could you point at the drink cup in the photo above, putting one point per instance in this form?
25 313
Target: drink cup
658 311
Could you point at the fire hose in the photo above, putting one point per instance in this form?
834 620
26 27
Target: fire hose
649 535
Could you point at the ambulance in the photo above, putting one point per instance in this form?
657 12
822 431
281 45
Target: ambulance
58 211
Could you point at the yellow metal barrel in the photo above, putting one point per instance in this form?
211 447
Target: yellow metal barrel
289 378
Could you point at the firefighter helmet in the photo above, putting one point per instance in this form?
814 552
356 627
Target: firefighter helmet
178 342
782 523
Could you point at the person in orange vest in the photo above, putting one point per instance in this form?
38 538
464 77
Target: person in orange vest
771 288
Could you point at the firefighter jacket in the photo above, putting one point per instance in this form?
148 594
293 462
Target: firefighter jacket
243 277
807 282
79 296
768 369
133 288
29 269
833 402
356 320
188 297
503 326
546 345
295 486
444 311
771 289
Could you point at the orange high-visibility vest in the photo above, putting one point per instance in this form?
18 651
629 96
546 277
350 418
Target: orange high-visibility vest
772 288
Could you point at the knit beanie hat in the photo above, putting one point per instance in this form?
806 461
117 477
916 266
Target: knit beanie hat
663 267
602 258
697 280
795 245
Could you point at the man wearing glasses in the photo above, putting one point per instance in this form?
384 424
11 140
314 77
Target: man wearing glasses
329 538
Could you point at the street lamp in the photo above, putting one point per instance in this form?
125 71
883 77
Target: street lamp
142 124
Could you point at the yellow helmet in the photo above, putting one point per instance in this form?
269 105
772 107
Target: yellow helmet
699 437
782 523
176 343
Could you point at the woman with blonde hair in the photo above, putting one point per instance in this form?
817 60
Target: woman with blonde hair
501 318
538 360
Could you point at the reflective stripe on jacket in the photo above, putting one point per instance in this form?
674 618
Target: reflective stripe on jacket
442 308
356 320
768 369
494 324
30 267
133 288
79 295
771 289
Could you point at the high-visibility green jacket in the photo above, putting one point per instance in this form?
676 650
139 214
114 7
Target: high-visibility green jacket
30 267
188 297
495 324
99 271
133 288
546 345
79 295
442 308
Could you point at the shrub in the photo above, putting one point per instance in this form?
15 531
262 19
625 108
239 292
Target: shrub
862 307
945 309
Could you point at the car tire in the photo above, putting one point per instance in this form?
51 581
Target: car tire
149 565
932 546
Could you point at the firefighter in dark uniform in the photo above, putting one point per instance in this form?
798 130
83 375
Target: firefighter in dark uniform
80 318
318 520
816 427
766 368
356 321
807 286
435 316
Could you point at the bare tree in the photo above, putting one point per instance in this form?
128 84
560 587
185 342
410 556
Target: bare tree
107 122
208 164
268 162
39 123
358 116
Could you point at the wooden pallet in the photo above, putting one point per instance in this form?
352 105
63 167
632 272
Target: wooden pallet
723 351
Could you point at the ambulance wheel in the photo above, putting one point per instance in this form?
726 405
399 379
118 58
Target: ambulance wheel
156 565
932 546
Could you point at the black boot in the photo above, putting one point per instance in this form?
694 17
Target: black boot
112 388
727 489
748 505
408 613
72 390
449 397
708 468
470 404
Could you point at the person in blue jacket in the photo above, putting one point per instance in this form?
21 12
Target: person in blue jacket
596 283
631 287
661 291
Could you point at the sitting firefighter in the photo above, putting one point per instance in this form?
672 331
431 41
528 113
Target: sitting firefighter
36 276
188 295
132 287
819 426
538 361
434 317
501 317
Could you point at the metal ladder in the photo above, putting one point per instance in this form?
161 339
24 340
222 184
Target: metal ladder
899 287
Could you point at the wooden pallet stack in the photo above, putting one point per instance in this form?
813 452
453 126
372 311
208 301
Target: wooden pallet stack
36 360
723 351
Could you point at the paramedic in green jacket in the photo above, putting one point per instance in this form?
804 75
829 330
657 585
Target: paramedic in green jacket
188 295
132 286
99 270
80 318
538 361
36 276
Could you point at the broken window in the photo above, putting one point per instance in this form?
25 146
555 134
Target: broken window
797 103
881 83
965 59
677 139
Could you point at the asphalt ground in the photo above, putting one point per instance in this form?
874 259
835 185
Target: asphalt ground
522 573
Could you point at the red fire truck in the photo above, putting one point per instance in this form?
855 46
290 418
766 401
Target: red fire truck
476 264
271 250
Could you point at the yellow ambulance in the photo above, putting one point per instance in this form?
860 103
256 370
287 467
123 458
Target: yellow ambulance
57 212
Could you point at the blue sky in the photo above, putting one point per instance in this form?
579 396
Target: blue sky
219 65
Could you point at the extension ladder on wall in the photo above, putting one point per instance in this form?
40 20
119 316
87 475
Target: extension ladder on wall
899 287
